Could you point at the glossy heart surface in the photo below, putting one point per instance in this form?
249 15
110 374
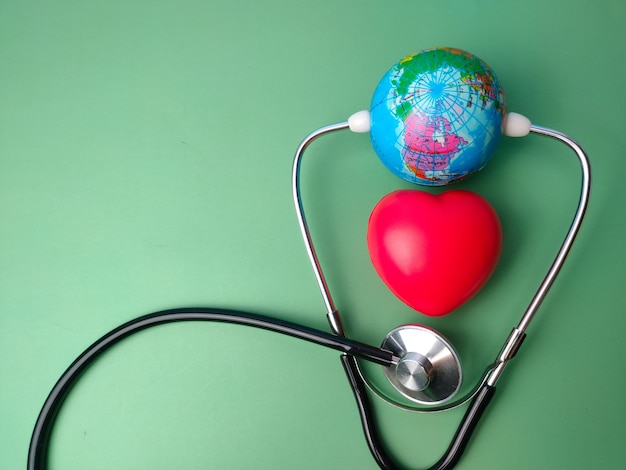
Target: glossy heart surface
434 251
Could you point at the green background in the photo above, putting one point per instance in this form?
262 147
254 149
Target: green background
145 159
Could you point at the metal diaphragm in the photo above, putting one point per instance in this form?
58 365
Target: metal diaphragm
429 370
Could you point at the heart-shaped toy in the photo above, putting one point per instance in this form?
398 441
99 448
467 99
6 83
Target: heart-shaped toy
434 251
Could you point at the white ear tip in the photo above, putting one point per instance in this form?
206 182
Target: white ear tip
516 125
360 121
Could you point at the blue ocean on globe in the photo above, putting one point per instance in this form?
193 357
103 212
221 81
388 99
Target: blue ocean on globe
436 116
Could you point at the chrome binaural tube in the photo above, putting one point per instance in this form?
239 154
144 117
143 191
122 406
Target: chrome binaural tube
518 334
333 316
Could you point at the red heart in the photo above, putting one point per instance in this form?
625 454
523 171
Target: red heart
434 251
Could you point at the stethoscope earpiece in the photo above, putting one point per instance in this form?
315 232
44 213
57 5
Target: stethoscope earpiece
516 125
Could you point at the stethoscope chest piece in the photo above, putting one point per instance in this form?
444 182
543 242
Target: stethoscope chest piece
428 371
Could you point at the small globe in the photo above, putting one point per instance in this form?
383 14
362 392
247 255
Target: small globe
436 116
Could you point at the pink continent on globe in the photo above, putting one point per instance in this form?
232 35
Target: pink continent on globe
429 144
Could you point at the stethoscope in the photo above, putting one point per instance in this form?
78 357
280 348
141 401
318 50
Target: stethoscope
420 364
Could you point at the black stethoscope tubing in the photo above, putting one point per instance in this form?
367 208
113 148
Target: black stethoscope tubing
453 453
38 450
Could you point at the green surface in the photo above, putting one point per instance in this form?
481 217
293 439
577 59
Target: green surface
145 159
